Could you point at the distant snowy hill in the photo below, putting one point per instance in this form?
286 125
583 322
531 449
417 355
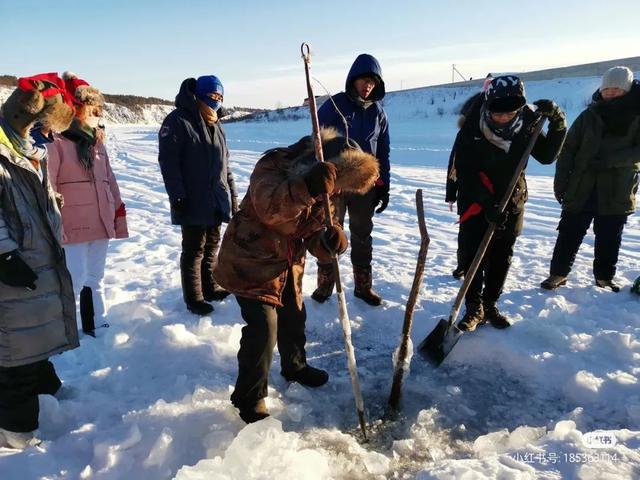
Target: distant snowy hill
142 114
420 120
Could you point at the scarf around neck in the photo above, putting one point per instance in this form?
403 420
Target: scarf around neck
500 136
358 100
25 147
617 114
85 139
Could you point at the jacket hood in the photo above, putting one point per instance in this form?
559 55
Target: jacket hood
356 171
186 97
366 64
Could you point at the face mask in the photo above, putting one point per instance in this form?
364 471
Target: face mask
214 104
92 122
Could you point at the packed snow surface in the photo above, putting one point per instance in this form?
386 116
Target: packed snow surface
555 396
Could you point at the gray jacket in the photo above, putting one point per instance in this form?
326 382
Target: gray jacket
33 324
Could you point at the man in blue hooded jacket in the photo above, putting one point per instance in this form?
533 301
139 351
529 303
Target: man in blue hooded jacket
357 114
194 160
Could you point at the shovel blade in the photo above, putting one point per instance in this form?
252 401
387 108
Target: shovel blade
439 343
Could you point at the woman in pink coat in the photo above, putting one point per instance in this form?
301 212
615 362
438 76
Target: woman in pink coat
92 210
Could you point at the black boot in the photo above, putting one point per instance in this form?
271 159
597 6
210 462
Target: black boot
458 273
86 311
308 376
473 316
364 283
214 293
326 280
253 412
553 282
494 317
200 308
608 284
190 276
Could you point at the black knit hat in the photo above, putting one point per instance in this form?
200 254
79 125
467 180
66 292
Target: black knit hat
505 94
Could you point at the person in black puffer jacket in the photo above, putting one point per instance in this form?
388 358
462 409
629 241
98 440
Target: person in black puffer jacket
488 149
194 160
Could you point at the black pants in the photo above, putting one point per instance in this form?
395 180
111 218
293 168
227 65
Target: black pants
571 231
492 272
361 209
460 251
19 390
198 258
266 325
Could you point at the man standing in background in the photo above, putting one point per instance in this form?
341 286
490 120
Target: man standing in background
357 114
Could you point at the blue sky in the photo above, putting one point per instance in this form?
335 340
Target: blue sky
148 47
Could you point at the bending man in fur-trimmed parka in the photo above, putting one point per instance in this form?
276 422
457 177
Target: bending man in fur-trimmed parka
261 260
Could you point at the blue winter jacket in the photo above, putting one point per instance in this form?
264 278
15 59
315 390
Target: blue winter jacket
367 126
194 161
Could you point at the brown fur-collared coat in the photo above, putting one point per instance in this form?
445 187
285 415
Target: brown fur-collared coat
279 220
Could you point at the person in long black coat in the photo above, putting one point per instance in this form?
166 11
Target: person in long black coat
488 148
194 160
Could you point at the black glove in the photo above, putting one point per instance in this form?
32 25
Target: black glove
179 207
15 272
559 197
334 240
382 197
549 109
493 215
320 179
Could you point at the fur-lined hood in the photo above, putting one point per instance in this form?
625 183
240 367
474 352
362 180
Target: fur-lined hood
356 171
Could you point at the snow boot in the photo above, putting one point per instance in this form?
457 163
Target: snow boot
308 376
215 293
458 273
326 280
473 317
87 312
608 284
200 308
19 440
253 412
363 286
494 317
553 282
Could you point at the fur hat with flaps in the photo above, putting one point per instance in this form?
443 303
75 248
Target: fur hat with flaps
356 171
81 91
40 98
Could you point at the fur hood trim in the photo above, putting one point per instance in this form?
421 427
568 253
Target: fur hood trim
356 171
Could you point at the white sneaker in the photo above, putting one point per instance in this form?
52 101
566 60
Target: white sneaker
19 440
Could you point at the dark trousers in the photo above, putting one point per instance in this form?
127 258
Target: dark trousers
460 251
266 326
197 260
361 209
19 390
492 272
571 231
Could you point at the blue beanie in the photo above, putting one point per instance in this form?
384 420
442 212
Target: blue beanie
207 85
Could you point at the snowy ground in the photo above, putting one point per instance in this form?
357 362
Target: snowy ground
151 396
